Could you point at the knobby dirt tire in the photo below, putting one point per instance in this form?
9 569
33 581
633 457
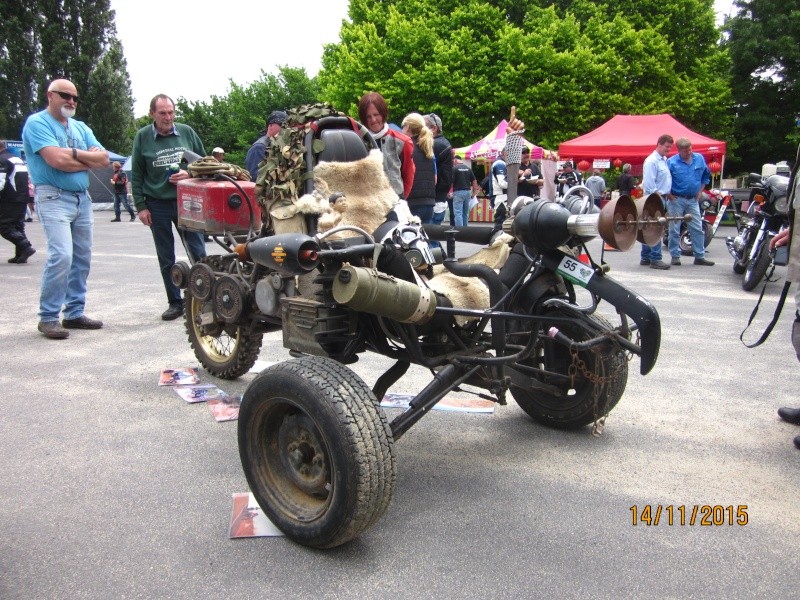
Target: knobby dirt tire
229 352
757 267
317 451
578 409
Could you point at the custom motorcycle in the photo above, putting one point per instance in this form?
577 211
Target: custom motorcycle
767 213
315 445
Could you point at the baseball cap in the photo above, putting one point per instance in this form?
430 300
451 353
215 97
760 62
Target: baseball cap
277 116
218 150
567 165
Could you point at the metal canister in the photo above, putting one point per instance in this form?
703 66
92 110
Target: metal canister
370 291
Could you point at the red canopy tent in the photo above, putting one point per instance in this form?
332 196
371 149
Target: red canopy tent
631 138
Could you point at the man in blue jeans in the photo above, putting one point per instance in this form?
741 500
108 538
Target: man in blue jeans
690 176
656 178
60 151
156 148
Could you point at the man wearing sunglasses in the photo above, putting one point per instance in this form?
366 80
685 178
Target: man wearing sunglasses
60 152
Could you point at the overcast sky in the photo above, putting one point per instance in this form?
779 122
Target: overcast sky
193 49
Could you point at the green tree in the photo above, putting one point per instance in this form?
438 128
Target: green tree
764 45
75 39
567 66
110 97
18 66
235 121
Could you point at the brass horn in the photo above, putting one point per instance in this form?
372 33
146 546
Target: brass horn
618 223
651 219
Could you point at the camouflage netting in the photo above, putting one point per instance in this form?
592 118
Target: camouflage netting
282 174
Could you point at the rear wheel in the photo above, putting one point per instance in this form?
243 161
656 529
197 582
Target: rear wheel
576 404
757 267
686 240
226 350
316 450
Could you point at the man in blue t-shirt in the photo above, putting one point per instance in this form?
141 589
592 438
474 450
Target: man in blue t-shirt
60 152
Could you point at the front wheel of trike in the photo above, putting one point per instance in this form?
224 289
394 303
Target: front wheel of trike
317 451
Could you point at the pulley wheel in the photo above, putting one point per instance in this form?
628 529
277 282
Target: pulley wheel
201 281
179 274
230 296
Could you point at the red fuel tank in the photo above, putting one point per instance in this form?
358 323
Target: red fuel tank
215 207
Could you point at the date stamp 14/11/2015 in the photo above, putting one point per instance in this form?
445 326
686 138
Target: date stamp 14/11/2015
703 515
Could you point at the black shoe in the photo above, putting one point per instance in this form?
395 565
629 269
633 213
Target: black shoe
659 264
703 262
676 261
133 218
790 415
25 255
797 442
82 322
29 220
13 260
53 330
173 312
117 220
645 262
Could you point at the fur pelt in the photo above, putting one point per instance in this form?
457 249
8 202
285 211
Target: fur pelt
367 194
471 292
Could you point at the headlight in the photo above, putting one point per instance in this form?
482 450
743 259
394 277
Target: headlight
782 205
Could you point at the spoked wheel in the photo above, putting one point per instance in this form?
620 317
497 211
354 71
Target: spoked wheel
226 350
598 384
757 267
316 450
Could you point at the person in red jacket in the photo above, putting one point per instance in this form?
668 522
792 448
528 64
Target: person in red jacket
397 148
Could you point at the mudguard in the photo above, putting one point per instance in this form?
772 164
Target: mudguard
640 310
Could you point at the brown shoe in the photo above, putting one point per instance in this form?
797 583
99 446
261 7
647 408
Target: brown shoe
659 264
82 322
53 330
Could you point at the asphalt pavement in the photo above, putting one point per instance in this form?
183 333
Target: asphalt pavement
114 487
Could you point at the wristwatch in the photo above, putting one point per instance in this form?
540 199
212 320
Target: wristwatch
74 154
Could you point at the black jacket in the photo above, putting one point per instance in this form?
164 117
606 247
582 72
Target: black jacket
443 153
423 192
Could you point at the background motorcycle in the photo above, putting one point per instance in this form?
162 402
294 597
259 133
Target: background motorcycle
709 204
766 215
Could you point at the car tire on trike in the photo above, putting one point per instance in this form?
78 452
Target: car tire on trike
317 451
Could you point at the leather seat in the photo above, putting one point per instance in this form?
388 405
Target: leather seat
341 145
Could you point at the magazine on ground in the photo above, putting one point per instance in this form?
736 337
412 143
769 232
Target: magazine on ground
471 405
248 520
225 407
182 376
198 393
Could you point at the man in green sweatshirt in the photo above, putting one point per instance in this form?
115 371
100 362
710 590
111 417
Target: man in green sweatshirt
157 150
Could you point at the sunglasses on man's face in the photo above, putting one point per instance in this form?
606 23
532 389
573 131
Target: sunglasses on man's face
66 96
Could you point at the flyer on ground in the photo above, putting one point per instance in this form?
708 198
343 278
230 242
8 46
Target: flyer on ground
471 405
248 520
225 407
198 393
181 376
